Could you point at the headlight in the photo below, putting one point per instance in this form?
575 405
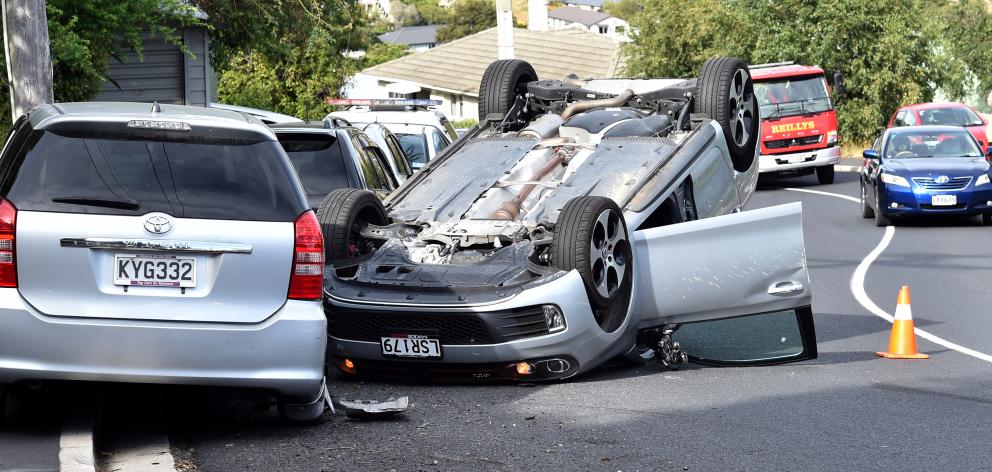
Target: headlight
895 180
554 318
982 180
831 138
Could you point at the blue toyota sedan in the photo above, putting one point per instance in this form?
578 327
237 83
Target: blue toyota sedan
925 170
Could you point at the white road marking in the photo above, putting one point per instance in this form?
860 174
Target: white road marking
858 284
139 452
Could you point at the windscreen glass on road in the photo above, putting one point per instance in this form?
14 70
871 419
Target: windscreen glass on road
793 96
925 144
217 178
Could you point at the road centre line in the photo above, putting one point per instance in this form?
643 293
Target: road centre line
858 284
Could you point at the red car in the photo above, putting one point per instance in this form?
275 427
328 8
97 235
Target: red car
952 114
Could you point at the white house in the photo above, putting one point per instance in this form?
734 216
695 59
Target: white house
451 72
593 5
595 21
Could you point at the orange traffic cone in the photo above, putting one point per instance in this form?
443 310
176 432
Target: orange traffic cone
902 343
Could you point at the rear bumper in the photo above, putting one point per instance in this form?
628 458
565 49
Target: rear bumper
284 353
783 162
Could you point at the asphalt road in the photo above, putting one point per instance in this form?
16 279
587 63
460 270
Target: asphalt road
847 410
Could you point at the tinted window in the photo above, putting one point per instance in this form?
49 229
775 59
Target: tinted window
374 178
415 147
106 174
439 142
955 116
381 167
318 161
398 157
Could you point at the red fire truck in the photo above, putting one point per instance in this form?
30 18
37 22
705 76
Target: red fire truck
798 121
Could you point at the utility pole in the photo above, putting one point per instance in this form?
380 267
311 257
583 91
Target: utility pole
29 63
504 29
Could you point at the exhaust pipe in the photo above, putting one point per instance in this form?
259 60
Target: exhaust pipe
578 107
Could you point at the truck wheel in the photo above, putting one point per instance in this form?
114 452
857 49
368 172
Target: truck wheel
725 93
591 237
501 83
825 175
341 214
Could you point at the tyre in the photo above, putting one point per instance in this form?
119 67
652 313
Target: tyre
591 237
866 211
341 214
501 83
825 175
987 219
880 218
725 93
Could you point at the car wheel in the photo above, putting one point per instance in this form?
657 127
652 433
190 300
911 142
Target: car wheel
3 405
591 237
825 175
866 211
501 83
341 215
726 94
987 219
880 218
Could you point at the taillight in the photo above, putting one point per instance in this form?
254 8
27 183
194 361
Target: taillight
306 282
8 267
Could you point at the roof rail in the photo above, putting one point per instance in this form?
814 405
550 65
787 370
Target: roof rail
771 64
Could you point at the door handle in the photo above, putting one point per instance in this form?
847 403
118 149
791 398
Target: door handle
786 288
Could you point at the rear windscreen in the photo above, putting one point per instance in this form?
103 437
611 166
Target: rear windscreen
318 162
229 179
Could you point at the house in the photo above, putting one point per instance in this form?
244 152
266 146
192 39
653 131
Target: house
163 73
376 8
451 72
595 21
593 5
418 38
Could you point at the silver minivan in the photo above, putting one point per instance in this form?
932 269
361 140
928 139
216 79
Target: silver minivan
159 244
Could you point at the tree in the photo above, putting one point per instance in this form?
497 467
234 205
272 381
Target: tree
892 52
285 56
404 14
467 17
623 9
430 11
26 44
383 52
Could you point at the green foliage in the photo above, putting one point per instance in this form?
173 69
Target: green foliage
430 11
467 17
404 14
85 35
285 56
623 9
466 123
892 52
383 52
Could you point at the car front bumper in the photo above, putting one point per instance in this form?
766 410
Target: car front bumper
284 353
915 201
768 163
582 344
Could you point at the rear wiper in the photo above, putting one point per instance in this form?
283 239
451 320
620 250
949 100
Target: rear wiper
99 202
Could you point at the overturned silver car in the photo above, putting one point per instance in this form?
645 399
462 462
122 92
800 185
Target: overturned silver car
580 221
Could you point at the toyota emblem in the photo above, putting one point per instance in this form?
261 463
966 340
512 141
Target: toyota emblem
158 224
943 179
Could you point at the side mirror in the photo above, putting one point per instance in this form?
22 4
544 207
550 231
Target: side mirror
870 154
988 152
839 90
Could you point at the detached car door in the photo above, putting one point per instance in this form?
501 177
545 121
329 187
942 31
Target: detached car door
737 286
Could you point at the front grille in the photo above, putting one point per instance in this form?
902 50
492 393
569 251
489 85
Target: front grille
956 183
452 328
927 206
784 143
